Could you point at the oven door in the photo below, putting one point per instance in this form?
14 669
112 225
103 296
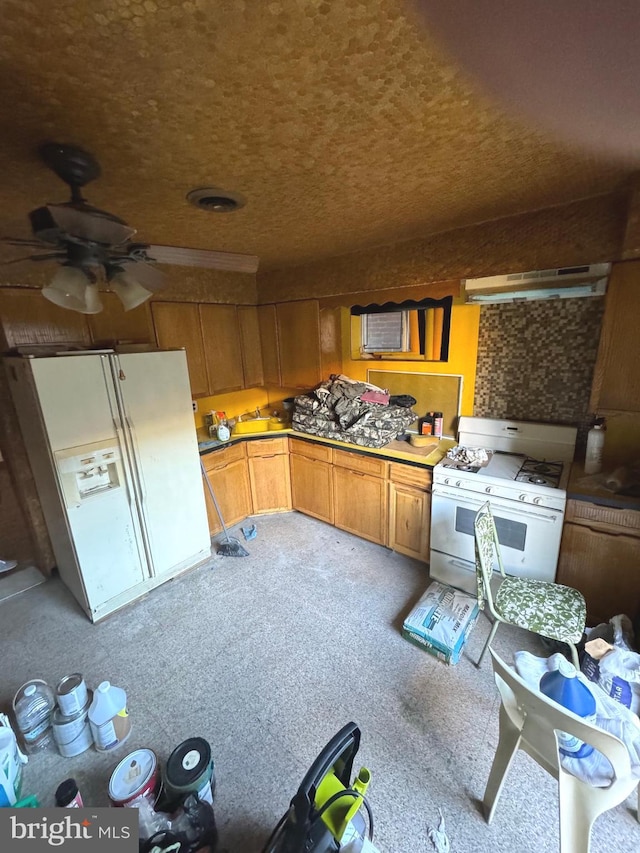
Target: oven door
529 537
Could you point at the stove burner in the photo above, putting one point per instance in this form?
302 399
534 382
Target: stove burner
542 468
467 468
540 472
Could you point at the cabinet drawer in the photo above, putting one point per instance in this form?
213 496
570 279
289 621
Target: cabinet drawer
312 451
408 475
603 517
267 446
224 456
360 463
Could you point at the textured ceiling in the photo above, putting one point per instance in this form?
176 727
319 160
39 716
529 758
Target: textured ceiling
343 124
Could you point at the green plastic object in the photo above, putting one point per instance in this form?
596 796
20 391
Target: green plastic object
30 802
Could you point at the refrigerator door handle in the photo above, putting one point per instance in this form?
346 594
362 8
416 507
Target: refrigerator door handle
142 492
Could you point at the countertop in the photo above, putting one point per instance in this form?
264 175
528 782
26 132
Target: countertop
400 451
591 487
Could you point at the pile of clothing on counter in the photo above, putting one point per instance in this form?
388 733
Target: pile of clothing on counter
351 411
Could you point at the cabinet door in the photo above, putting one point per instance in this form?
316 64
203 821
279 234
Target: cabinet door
230 484
360 504
223 354
269 344
409 517
604 567
312 487
28 318
270 480
330 342
616 381
177 324
299 343
115 325
250 344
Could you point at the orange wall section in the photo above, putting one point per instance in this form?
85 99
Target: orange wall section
463 354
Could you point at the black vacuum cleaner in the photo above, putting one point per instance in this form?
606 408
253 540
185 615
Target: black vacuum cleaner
327 812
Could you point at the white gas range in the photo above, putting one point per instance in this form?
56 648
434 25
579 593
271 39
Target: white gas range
524 479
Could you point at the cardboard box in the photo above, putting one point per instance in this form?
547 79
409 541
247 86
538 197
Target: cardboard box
441 621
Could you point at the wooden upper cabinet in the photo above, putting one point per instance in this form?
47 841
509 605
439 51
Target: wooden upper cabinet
28 318
222 349
616 379
250 344
299 343
115 325
177 324
330 342
267 321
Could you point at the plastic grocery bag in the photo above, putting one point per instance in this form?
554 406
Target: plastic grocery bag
610 716
617 672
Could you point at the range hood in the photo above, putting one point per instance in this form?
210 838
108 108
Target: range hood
561 283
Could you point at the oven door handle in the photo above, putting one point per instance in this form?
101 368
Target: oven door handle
476 503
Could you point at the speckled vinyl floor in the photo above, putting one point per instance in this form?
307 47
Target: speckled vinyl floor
267 657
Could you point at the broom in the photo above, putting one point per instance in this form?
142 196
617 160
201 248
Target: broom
230 547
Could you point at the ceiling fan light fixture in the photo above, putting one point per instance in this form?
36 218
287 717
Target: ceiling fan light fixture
68 289
92 301
129 291
216 200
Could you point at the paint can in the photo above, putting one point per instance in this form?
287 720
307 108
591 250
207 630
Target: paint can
72 734
137 775
190 768
71 694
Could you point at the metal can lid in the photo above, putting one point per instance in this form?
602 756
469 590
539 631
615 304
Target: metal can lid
69 683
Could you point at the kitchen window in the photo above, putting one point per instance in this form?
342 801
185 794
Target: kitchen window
410 330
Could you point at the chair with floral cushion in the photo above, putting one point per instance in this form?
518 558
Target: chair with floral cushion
548 609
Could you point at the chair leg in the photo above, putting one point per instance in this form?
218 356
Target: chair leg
577 814
492 634
508 743
574 656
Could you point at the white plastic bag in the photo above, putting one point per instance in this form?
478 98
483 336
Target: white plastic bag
610 716
618 671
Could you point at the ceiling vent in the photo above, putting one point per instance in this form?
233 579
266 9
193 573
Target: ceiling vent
562 283
216 200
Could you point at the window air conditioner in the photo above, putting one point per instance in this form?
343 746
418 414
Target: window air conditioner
563 283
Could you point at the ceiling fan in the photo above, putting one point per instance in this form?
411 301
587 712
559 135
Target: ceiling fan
93 246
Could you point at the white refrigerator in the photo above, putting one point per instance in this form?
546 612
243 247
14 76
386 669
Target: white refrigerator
112 444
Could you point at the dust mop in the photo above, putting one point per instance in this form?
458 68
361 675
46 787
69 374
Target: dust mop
230 547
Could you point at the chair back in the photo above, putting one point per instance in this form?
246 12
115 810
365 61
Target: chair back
539 718
487 549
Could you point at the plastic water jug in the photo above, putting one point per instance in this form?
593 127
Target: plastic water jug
108 716
33 707
563 686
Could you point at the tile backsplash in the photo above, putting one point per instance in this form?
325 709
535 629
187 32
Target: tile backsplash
536 361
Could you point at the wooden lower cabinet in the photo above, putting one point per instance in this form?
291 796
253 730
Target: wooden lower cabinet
311 480
409 510
600 556
360 495
229 477
269 475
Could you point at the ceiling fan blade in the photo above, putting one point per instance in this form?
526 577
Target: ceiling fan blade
90 226
48 257
146 275
19 241
206 258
